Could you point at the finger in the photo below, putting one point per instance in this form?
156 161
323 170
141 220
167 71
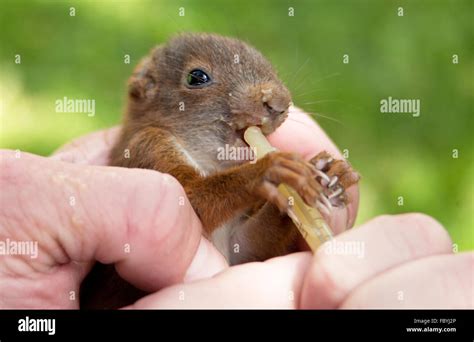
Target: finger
363 253
299 133
437 282
274 284
90 149
138 219
310 139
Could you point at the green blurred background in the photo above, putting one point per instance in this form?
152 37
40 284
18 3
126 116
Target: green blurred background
82 56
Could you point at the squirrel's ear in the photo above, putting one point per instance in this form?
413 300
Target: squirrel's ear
142 83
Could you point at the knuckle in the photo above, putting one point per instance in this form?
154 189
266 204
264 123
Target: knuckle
419 220
428 233
171 184
273 159
383 220
430 229
323 278
289 155
162 194
161 183
301 182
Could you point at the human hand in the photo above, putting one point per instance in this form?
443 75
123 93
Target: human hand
402 261
77 214
78 211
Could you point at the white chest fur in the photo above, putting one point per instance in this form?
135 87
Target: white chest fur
222 236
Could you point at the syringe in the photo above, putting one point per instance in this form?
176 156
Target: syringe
308 220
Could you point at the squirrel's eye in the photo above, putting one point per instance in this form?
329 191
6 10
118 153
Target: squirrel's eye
197 77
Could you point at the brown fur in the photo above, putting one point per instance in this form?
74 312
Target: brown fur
156 131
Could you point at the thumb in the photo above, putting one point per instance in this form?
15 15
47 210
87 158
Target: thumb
138 219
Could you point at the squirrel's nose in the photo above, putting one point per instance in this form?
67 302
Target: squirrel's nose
272 111
271 103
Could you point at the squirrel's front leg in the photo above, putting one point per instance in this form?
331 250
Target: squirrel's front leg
219 197
268 233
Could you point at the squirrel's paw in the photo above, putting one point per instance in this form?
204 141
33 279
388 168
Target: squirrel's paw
288 168
335 176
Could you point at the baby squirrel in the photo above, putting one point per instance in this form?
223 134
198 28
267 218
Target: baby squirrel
192 96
